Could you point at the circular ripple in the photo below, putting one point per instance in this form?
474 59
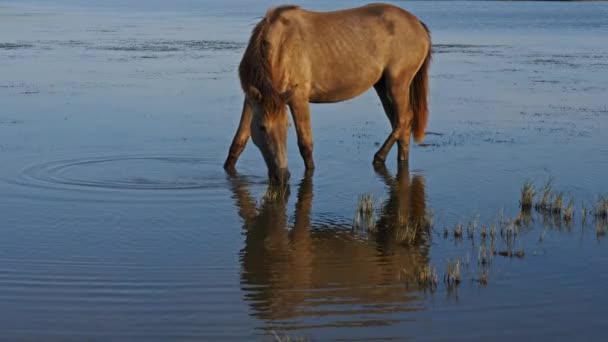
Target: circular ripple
126 173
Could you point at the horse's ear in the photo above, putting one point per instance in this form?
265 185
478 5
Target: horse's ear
288 94
254 94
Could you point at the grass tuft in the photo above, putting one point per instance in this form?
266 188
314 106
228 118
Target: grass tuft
569 211
365 216
601 208
452 275
527 196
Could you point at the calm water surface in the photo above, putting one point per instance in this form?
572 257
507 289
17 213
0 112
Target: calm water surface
118 222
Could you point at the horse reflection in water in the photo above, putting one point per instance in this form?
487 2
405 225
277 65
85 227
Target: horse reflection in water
293 276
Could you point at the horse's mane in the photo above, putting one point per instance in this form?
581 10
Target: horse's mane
255 69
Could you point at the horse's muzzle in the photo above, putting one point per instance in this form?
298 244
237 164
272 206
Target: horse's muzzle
280 176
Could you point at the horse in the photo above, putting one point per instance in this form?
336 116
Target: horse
296 57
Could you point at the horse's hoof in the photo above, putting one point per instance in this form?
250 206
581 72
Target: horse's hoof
378 161
310 166
229 166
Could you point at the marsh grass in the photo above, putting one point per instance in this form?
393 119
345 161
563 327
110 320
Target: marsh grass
483 232
493 232
472 227
601 208
365 216
427 277
545 203
452 275
286 338
601 228
409 229
483 276
458 232
483 257
584 212
558 203
569 211
527 196
276 192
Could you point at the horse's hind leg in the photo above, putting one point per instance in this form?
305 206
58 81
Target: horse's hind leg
394 95
240 137
389 109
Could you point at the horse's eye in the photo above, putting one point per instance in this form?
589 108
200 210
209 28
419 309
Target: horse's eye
262 128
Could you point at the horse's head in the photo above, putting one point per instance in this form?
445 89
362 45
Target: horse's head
269 127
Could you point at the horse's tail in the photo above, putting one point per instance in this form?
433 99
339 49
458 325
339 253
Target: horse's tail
419 92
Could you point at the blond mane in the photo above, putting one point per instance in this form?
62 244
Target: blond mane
255 70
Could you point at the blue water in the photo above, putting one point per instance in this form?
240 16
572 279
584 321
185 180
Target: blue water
118 222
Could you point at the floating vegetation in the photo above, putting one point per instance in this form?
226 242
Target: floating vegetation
365 216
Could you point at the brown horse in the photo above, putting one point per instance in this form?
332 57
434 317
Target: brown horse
296 57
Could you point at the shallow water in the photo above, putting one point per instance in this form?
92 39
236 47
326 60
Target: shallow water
119 223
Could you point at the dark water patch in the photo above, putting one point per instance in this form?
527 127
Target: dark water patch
30 92
69 43
15 46
546 81
172 46
554 61
102 30
10 121
468 49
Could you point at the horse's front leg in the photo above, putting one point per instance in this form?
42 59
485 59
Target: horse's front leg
240 137
300 111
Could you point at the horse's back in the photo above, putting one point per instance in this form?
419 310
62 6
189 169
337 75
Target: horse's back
343 53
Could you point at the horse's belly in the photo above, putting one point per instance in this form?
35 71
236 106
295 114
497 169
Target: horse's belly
342 88
336 94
